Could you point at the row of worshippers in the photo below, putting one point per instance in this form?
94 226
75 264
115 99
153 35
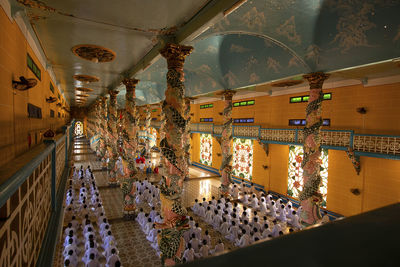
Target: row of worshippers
234 223
83 210
266 205
146 192
198 243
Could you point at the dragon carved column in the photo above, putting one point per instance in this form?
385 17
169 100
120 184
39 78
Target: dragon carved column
112 132
226 143
310 198
104 119
130 144
147 122
171 242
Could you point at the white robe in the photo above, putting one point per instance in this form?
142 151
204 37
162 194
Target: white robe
189 254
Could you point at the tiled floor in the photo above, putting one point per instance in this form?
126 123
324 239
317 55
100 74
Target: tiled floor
133 246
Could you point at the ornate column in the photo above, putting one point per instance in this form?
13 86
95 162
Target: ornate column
130 126
147 122
170 239
310 198
130 144
103 125
226 143
112 135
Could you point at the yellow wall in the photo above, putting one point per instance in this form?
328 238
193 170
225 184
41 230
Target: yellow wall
14 122
379 179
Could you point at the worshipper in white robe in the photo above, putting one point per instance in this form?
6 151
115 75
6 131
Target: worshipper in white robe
148 226
197 231
245 216
204 250
159 219
227 216
71 246
235 192
245 198
92 261
233 232
295 221
139 198
244 240
214 201
195 206
195 243
188 254
242 187
272 210
153 213
278 203
140 215
220 247
70 261
263 206
89 251
107 252
254 202
201 212
108 240
282 214
153 201
216 220
68 237
224 227
288 207
209 215
206 237
256 224
112 259
103 233
235 219
192 222
69 228
152 235
277 228
256 234
266 231
246 227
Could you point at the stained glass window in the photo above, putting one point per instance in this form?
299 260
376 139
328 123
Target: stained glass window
295 172
242 158
78 128
152 135
206 149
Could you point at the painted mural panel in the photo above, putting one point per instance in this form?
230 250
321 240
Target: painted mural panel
78 128
206 149
243 158
295 172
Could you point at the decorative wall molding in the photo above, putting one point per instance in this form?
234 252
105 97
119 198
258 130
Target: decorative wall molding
381 146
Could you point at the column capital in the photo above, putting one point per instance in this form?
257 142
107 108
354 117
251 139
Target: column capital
103 99
316 79
130 84
228 94
175 54
113 94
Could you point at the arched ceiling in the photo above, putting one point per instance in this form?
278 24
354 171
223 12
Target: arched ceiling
259 42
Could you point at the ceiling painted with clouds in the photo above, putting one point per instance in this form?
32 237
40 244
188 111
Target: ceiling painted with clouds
260 42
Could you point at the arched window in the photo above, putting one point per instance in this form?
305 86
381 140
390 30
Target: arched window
243 158
206 149
295 172
78 128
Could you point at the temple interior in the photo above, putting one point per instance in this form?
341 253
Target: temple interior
199 132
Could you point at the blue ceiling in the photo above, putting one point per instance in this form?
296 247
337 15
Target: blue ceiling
260 42
268 40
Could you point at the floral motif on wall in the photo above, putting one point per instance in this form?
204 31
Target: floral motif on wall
206 149
243 158
295 173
